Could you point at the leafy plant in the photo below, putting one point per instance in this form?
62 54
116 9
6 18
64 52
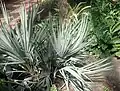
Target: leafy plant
53 88
76 11
34 55
106 89
105 15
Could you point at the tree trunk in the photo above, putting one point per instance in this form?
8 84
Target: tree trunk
63 9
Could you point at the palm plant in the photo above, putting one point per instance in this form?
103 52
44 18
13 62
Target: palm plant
76 11
34 55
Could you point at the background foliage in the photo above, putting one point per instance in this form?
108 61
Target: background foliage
106 17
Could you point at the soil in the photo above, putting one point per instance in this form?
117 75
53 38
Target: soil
113 77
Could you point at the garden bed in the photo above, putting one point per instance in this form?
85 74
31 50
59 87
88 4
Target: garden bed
71 68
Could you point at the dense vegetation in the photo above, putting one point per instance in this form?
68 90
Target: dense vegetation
53 53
